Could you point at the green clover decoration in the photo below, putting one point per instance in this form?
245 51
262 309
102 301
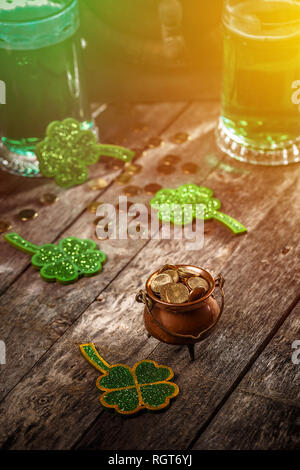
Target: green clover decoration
65 262
68 150
128 390
182 205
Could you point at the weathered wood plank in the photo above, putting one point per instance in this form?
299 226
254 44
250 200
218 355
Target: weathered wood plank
224 356
65 398
264 410
40 313
116 124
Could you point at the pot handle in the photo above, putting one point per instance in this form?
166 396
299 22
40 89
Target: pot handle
142 297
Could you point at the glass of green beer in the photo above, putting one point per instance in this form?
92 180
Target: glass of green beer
41 67
260 121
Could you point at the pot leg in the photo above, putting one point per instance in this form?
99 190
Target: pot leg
191 351
148 335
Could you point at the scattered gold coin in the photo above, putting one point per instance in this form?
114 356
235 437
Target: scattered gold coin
97 183
195 282
133 168
4 226
165 169
190 168
197 294
124 178
27 214
180 138
154 142
93 206
131 190
159 281
48 198
170 160
177 293
152 188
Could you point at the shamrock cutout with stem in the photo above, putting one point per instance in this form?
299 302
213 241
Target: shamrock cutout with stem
68 150
128 390
182 205
65 262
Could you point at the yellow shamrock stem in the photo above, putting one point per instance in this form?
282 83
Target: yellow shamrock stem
91 354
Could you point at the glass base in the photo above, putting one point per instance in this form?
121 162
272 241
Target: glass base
234 147
21 160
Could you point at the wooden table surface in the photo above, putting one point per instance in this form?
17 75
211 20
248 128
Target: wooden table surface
242 392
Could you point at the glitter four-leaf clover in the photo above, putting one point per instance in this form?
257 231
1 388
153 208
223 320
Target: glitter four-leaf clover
68 150
65 262
128 390
182 205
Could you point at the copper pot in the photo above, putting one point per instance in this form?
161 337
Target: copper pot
186 323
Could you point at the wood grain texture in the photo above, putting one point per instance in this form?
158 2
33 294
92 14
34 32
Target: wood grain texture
40 313
264 411
52 401
224 357
117 125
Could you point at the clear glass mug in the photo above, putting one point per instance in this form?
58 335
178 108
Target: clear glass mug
41 68
260 119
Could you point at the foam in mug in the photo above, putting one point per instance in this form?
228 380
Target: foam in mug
33 24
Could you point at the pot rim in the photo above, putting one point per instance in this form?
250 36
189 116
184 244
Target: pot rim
186 304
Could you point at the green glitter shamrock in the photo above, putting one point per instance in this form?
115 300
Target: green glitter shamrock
67 151
65 262
182 205
128 390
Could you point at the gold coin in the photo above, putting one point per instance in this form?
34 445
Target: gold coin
133 168
165 169
173 274
197 294
194 282
180 138
177 293
97 183
131 190
190 168
48 198
124 178
163 290
4 226
154 142
170 160
152 188
93 206
27 214
185 272
159 281
165 267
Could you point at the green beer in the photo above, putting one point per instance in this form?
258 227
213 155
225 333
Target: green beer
41 66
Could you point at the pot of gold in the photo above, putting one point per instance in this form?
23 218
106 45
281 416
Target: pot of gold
180 307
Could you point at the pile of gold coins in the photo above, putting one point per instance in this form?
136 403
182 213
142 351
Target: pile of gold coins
178 285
